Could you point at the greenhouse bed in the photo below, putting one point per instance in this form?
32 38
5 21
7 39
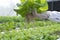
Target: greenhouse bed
39 33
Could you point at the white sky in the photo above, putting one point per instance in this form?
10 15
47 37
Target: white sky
7 3
7 6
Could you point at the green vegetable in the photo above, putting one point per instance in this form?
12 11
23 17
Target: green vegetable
27 6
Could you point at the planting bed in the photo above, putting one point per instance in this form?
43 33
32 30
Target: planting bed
20 30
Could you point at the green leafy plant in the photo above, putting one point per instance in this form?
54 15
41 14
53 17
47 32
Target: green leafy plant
11 25
27 7
4 19
40 33
31 31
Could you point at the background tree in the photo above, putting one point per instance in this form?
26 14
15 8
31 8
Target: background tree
28 8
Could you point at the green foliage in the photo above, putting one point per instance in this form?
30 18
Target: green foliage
38 30
30 34
27 6
10 19
6 26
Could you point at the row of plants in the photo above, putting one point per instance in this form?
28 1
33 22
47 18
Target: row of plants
23 25
38 30
38 33
11 18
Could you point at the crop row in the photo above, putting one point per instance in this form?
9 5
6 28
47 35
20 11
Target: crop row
23 25
38 33
11 18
